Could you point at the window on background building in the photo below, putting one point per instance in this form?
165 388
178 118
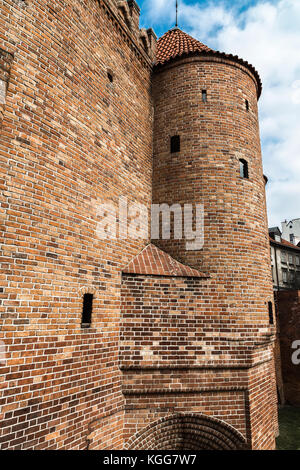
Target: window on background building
283 257
292 236
284 275
244 170
175 143
292 276
297 261
291 259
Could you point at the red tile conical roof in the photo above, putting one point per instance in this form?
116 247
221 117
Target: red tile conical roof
176 43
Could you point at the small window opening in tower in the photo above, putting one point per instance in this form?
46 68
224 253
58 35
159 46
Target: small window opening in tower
271 314
204 96
244 171
175 143
87 308
247 105
110 76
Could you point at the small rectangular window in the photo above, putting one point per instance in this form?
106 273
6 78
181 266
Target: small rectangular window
271 315
87 308
244 171
247 105
204 96
175 144
292 276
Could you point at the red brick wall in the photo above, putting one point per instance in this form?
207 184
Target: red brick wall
177 355
289 331
263 405
69 139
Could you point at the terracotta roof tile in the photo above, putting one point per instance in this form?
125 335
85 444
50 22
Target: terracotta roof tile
153 261
176 43
285 243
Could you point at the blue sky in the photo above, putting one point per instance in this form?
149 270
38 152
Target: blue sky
267 34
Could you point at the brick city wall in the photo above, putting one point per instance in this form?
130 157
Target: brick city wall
178 355
288 304
70 139
77 131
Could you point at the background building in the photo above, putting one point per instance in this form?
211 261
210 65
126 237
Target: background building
285 260
291 231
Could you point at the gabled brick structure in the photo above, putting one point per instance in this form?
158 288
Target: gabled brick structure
178 353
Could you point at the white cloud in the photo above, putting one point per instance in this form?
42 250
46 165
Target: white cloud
270 40
268 36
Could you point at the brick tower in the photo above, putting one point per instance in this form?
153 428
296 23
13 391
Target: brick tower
129 343
214 352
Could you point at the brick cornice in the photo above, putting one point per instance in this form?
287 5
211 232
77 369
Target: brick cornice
162 391
248 365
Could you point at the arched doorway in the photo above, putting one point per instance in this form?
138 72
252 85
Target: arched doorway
187 432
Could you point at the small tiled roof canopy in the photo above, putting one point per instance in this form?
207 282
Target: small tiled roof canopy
153 261
176 43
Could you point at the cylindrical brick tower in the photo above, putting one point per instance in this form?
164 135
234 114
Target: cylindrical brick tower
209 100
207 152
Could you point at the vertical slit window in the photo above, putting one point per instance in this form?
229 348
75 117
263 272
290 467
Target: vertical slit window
175 143
110 75
87 308
247 105
204 96
271 314
244 170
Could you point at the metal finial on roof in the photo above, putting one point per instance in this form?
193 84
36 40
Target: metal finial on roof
176 25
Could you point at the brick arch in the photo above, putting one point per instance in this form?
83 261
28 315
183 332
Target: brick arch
187 432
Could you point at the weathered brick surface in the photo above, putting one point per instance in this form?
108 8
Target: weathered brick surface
288 304
69 139
77 130
177 355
